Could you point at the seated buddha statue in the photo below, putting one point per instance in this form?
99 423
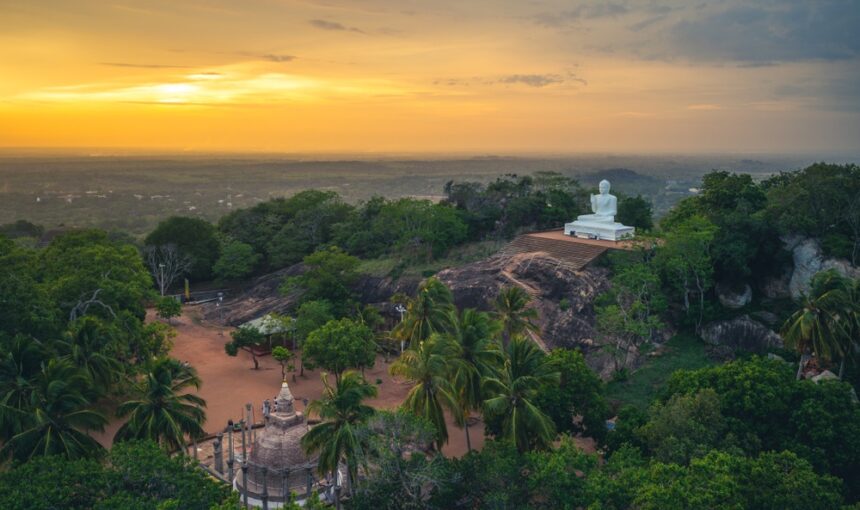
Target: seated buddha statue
604 206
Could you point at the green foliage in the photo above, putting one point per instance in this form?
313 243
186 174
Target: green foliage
413 229
430 311
746 244
512 311
168 307
629 313
766 409
397 475
827 322
636 212
26 306
21 228
685 263
430 367
88 274
283 356
341 410
310 316
340 344
684 427
819 201
329 275
511 203
246 338
160 410
283 230
683 351
578 394
510 408
136 476
194 238
46 409
237 261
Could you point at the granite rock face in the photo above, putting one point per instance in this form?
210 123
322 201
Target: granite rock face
734 300
742 334
809 259
548 282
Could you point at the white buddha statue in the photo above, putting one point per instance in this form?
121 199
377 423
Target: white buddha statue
604 206
601 223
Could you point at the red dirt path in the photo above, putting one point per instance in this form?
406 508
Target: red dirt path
229 383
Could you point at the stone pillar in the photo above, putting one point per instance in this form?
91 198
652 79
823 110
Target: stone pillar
231 456
245 482
337 497
219 454
244 449
264 497
285 483
248 422
310 481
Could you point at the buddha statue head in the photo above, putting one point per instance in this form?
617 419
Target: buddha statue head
603 187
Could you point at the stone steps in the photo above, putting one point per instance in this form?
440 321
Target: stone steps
573 254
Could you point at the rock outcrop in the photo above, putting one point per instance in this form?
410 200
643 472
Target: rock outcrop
741 334
734 300
808 260
548 282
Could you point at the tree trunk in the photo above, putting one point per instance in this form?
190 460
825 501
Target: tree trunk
841 368
256 363
468 439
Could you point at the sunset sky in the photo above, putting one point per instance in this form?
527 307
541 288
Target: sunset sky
506 76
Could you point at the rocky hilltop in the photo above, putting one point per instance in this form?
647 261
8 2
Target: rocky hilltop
562 296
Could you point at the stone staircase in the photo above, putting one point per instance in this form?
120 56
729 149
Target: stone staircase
571 253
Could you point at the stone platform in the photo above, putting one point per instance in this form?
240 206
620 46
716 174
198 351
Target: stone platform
607 231
573 252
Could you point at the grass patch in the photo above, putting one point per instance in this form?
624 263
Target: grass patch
683 351
457 256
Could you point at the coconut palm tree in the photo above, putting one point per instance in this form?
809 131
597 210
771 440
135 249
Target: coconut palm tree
427 313
480 355
430 367
511 310
510 396
57 417
826 321
19 366
87 345
341 411
161 410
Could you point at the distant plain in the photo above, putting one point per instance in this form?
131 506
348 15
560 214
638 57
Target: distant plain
133 192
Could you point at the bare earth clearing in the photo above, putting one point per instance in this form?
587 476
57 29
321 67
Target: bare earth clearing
229 383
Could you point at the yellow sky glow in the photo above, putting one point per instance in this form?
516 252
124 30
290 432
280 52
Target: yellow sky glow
380 75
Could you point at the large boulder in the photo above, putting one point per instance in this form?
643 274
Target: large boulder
549 282
732 298
808 260
741 334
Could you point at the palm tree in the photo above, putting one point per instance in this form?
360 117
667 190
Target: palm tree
57 417
86 344
18 368
430 366
479 352
427 313
341 411
826 321
161 411
511 309
511 396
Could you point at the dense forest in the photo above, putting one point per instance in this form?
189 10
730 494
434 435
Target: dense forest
749 433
